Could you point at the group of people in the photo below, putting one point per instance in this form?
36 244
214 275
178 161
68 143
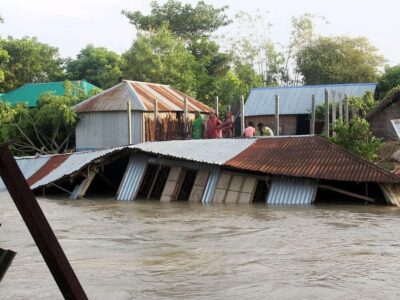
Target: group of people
214 128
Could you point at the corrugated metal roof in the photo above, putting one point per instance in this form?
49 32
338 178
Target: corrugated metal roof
310 157
293 191
297 99
30 93
132 178
141 95
215 151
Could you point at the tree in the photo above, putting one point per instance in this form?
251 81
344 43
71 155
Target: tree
163 58
389 80
339 60
97 65
357 138
29 61
49 128
183 20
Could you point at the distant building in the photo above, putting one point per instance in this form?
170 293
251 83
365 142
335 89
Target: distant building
30 93
385 118
295 104
103 118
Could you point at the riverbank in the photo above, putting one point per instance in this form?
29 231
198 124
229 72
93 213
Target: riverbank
153 250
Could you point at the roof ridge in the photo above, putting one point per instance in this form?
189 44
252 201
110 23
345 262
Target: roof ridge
313 85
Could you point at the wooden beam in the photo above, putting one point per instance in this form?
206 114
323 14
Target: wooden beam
242 126
312 124
6 258
39 227
328 187
277 115
155 117
326 113
129 111
346 109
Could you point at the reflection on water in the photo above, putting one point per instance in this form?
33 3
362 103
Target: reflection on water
152 250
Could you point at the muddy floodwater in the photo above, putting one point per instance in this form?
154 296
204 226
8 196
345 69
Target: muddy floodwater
152 250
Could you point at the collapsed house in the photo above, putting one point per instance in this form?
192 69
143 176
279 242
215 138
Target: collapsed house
104 120
295 104
273 170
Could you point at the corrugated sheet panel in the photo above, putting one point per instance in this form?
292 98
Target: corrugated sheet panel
391 193
396 125
297 99
72 164
103 130
310 157
141 96
292 191
132 177
216 151
137 127
210 186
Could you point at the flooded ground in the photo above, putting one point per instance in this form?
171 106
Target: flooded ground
150 250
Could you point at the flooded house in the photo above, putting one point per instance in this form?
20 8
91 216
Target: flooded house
295 104
384 120
104 120
295 170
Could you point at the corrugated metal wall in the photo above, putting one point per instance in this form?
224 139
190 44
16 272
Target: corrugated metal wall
132 177
107 129
211 185
285 190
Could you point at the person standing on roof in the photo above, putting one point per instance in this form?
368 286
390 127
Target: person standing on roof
213 126
198 126
227 125
264 130
250 130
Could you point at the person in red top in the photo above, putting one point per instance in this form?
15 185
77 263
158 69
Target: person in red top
250 130
213 126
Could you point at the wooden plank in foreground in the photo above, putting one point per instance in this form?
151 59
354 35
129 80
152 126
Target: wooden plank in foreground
38 226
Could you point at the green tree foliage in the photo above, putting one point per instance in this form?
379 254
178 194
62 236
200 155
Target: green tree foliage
97 65
357 138
28 61
163 58
389 80
184 20
48 128
339 60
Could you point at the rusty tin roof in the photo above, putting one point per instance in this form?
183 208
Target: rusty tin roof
309 157
141 96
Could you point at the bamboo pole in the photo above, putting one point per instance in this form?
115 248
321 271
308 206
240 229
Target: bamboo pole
333 114
129 111
346 109
216 103
326 113
312 124
341 109
185 116
277 114
241 115
155 117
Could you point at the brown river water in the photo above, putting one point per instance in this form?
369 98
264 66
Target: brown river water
152 250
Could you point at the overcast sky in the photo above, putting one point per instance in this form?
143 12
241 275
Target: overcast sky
71 25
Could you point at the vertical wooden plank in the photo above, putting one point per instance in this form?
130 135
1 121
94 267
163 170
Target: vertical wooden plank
341 109
185 118
312 125
129 111
39 227
242 126
277 115
155 118
346 109
333 114
326 113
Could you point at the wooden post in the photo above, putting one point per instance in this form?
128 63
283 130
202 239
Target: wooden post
155 117
341 109
326 113
185 117
333 114
241 115
312 124
346 109
277 115
39 227
129 111
216 102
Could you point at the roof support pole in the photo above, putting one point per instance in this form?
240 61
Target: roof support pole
185 118
241 115
129 111
346 109
39 227
155 118
277 115
326 113
333 114
312 121
216 103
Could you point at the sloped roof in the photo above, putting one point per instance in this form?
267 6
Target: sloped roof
308 157
297 99
141 96
393 96
30 93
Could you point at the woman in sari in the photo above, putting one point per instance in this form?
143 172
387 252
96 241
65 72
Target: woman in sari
227 125
198 126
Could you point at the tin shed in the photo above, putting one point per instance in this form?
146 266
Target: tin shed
103 119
